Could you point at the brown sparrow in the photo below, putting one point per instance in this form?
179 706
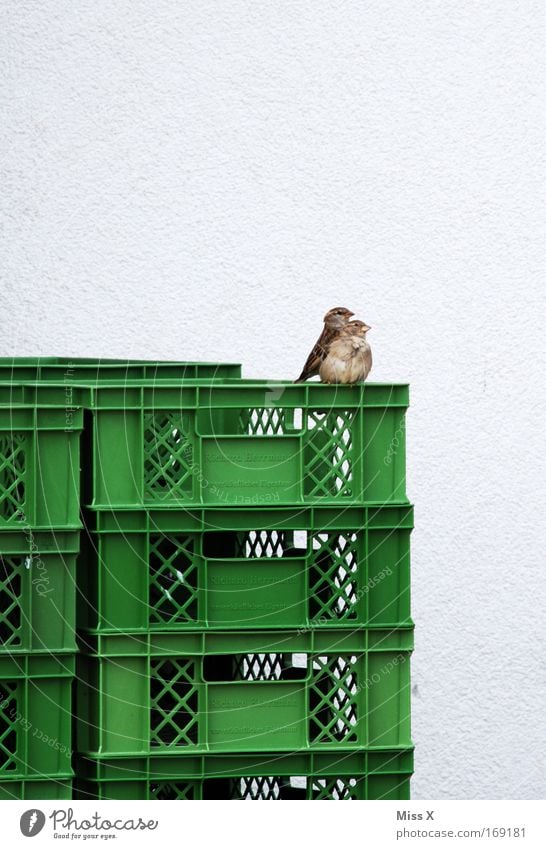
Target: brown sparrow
349 357
334 320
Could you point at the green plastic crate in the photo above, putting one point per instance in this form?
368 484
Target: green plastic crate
39 459
35 716
44 788
302 775
236 691
77 369
38 591
247 444
143 571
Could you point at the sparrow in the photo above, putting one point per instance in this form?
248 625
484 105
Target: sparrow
334 320
349 357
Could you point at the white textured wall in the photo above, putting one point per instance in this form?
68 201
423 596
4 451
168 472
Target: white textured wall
204 179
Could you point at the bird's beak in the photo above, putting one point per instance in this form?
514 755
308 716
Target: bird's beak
366 328
350 313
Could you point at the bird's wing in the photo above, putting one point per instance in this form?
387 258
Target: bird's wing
320 349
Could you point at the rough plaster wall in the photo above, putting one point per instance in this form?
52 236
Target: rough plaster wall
203 179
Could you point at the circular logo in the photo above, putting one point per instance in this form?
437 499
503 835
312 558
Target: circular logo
32 822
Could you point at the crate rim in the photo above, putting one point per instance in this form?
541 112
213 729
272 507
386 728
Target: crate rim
286 760
37 776
178 517
61 361
168 631
229 382
200 642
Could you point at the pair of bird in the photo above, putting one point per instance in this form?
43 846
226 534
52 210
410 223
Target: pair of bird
341 353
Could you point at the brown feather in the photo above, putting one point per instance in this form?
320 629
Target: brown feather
317 355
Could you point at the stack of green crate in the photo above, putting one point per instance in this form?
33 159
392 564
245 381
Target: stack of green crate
244 592
39 544
42 407
242 584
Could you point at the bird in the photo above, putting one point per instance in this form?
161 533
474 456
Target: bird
334 320
349 357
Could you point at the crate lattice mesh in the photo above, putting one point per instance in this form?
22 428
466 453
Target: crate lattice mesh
12 475
172 790
174 579
168 456
174 702
10 601
258 667
335 788
333 698
264 788
333 576
8 733
263 421
329 465
254 544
